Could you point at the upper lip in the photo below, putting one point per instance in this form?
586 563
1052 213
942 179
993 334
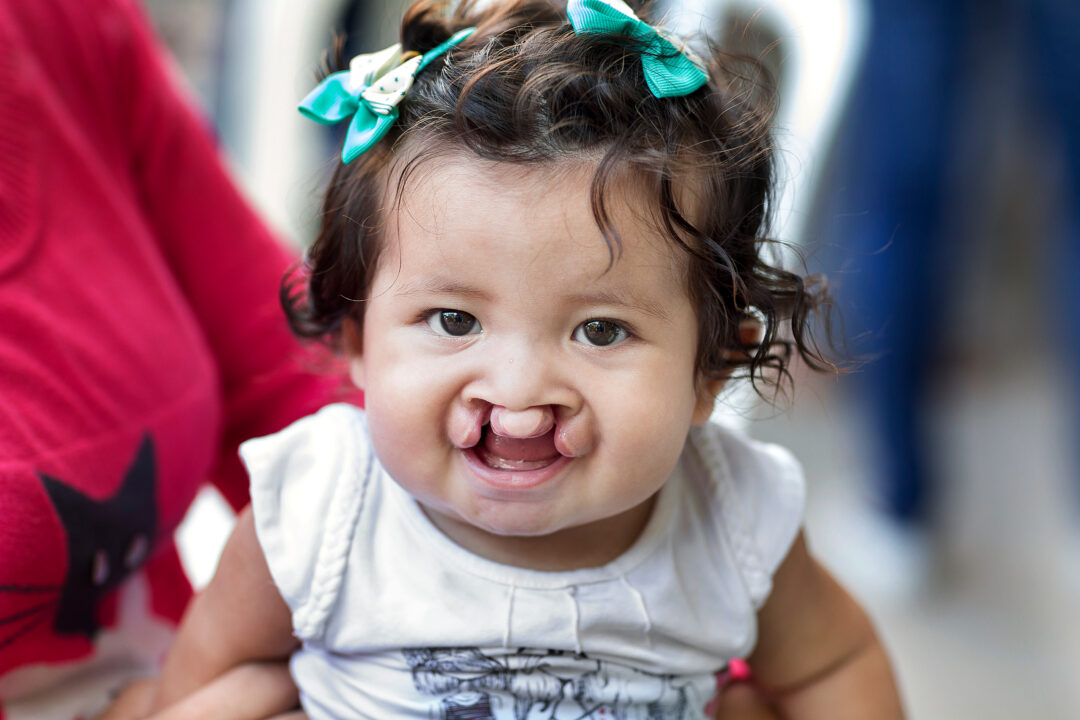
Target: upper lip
568 442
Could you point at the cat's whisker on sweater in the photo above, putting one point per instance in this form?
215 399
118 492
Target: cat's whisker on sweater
30 589
28 612
34 620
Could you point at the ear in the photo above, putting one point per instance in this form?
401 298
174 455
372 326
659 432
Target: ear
706 399
351 336
750 333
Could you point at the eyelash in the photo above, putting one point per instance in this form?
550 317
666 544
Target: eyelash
623 333
436 321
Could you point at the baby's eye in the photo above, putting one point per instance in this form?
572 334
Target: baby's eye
600 333
453 322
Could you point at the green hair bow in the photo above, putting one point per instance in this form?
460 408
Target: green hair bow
369 92
669 71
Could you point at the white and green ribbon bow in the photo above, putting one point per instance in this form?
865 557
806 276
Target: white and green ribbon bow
669 71
369 92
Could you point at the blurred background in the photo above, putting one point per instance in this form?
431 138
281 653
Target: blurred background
930 167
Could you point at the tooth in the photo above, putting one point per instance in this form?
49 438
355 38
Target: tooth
499 462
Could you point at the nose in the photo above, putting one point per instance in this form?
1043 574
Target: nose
528 423
521 387
523 390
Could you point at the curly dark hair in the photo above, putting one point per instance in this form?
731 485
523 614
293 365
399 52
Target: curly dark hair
524 88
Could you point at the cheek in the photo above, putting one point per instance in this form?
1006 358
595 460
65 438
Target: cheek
395 369
407 403
403 404
356 372
405 443
654 412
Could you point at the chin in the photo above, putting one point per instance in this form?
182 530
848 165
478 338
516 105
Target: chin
516 527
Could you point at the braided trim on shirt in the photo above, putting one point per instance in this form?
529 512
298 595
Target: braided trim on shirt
309 620
736 525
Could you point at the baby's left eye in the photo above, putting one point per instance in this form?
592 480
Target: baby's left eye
454 323
600 333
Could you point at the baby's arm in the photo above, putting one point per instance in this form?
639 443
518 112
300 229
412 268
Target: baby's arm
239 617
818 655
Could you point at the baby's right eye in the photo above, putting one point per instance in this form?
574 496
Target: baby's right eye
453 322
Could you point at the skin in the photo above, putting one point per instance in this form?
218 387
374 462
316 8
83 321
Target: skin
516 249
526 363
252 691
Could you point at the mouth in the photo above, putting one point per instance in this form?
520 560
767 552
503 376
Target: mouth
507 463
513 454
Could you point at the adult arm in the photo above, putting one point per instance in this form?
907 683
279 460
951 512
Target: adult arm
227 263
238 619
253 691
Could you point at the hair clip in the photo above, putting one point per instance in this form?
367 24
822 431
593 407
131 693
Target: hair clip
669 71
369 92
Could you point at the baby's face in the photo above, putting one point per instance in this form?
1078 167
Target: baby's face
515 385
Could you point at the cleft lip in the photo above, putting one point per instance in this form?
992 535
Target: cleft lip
574 437
466 426
522 424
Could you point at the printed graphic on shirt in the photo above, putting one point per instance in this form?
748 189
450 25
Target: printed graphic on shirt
107 540
534 684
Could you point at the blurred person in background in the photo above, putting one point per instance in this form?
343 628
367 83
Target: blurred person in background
140 341
909 170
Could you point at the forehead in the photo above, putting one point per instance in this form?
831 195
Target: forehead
458 209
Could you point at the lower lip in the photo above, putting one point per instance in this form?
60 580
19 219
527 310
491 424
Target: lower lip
513 480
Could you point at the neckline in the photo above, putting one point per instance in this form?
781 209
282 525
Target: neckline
656 528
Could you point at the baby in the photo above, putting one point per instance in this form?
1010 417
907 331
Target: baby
541 254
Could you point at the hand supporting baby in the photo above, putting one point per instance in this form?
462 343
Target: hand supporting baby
252 691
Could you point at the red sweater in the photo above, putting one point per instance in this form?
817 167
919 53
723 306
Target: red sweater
140 342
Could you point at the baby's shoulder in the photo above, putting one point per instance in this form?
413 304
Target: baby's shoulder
330 419
309 486
729 456
322 436
754 494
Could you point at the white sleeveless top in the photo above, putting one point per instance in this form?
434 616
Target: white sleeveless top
397 621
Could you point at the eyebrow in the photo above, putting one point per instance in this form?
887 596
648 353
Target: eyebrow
440 286
446 286
604 297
